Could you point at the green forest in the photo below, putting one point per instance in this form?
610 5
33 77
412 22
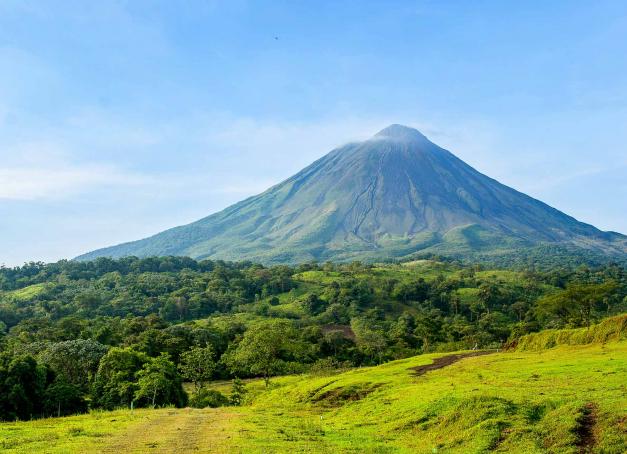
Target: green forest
152 332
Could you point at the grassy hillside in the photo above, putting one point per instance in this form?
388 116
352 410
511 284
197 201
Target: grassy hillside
567 399
611 329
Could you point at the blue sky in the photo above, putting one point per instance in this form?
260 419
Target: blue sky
119 119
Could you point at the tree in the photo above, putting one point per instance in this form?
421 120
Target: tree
577 305
489 294
62 398
22 386
160 384
313 304
74 360
357 293
198 365
88 301
114 384
337 342
264 349
519 308
402 332
495 324
413 291
371 339
428 327
336 313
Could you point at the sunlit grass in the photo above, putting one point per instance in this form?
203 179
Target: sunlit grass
26 293
518 401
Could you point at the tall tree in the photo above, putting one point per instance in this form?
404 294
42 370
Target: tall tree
263 349
198 365
22 386
115 383
75 360
160 384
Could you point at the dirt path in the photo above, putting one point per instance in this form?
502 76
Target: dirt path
176 431
585 430
444 361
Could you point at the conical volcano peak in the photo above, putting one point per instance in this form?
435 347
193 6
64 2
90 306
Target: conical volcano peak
392 196
401 133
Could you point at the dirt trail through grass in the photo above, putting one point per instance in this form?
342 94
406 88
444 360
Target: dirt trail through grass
444 361
175 431
585 431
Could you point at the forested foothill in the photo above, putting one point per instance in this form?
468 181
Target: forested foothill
146 332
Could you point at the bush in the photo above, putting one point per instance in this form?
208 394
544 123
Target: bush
208 398
326 366
238 392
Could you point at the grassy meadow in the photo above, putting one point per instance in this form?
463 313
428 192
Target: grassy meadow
569 398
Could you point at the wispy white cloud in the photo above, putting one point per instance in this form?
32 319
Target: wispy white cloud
37 170
31 183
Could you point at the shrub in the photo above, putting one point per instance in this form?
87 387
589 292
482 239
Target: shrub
238 392
208 398
329 365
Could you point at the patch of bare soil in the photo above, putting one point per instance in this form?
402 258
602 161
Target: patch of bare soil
444 361
338 396
585 428
345 330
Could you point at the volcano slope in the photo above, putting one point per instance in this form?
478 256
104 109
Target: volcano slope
564 399
392 196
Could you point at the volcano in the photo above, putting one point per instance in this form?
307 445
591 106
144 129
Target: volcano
395 195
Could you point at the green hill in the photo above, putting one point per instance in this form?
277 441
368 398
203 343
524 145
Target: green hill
566 399
392 196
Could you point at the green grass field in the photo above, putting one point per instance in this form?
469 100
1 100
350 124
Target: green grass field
26 293
570 399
